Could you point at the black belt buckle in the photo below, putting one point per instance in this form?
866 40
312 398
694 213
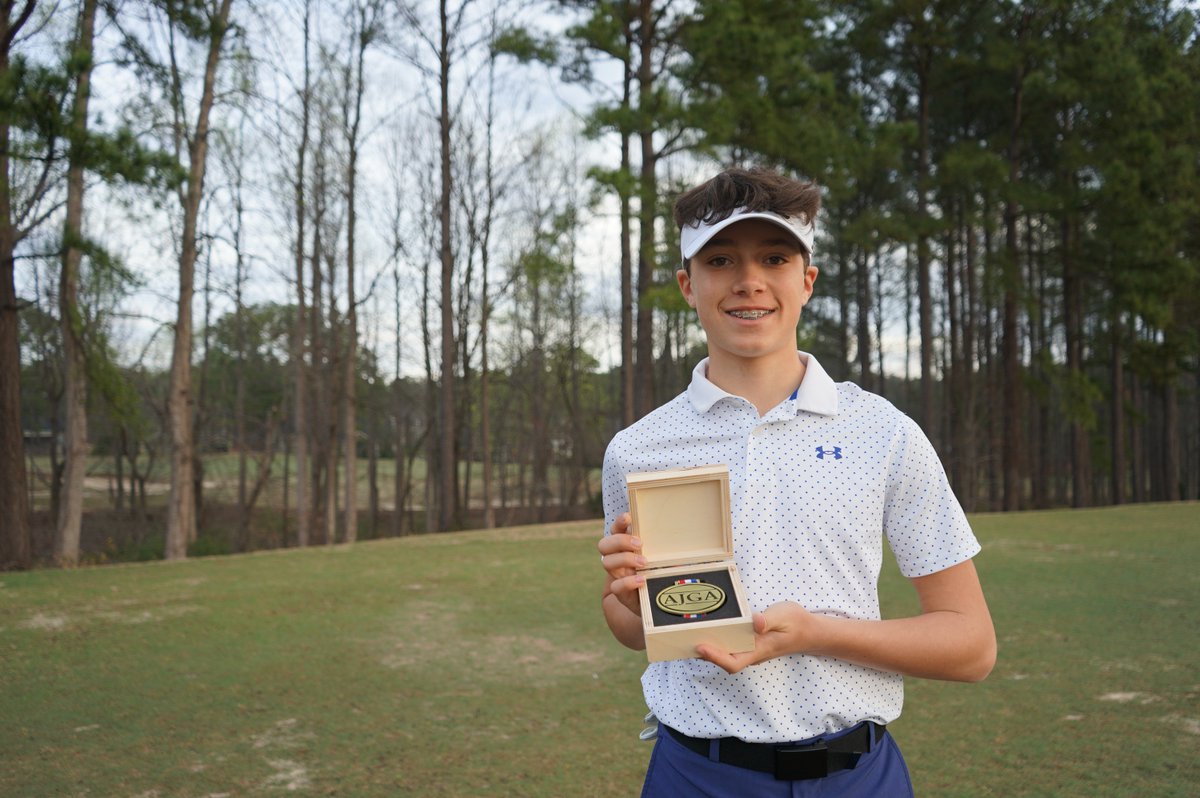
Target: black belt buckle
807 762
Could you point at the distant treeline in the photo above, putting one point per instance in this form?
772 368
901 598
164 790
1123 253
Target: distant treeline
1009 247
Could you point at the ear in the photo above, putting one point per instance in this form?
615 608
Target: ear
685 287
810 278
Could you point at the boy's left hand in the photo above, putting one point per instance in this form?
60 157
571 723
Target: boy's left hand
779 630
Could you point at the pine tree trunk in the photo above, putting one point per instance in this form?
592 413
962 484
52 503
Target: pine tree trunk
1170 438
1012 405
863 284
1117 412
968 492
924 301
647 212
628 389
1073 324
70 508
16 545
955 411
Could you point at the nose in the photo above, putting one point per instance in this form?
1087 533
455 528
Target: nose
750 278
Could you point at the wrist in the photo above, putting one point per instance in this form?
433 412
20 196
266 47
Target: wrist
819 636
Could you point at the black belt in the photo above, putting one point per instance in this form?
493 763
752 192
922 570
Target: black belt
812 761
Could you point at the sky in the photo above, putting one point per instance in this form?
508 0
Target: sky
141 228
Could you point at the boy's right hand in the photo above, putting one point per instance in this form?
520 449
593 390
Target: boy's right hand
620 554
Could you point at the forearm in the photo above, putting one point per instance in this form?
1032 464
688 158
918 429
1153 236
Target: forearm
952 638
934 645
625 625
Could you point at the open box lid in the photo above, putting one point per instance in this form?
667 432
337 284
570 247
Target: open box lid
682 514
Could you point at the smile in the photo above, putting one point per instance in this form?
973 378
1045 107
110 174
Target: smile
750 315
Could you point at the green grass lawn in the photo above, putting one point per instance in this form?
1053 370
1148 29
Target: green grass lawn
478 664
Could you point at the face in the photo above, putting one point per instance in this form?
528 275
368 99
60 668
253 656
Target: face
748 285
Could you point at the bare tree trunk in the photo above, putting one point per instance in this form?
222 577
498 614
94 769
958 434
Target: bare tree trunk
70 508
540 444
119 470
299 350
431 410
262 464
239 398
399 445
332 385
485 253
400 448
373 478
321 359
350 424
447 467
181 509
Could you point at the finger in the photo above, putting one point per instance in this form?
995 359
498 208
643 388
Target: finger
620 563
622 524
625 590
611 544
730 663
626 586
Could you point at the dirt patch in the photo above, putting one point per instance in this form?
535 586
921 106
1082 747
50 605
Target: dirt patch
147 616
284 734
289 776
42 621
430 633
1128 698
1189 725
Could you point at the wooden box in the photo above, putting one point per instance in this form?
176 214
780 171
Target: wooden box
692 593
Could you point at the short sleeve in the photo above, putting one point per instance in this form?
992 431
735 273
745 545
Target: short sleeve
616 495
922 518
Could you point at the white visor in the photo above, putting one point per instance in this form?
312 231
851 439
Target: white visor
694 236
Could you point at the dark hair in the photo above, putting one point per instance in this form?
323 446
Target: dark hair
753 189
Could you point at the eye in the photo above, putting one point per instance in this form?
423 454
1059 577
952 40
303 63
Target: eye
777 260
719 261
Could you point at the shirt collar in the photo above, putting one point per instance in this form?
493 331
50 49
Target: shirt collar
817 392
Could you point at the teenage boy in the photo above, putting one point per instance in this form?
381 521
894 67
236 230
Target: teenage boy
820 472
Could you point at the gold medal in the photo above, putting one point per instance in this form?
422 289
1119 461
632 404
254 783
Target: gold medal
690 598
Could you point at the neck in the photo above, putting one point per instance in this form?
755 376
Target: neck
764 382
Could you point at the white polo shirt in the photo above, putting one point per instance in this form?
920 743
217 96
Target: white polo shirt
815 485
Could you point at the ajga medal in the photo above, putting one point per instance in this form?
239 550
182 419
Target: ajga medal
690 598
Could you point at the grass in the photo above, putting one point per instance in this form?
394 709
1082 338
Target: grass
477 664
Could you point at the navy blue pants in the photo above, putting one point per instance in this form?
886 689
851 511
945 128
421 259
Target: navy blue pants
676 771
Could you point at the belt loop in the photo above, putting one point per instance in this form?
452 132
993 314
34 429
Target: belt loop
714 750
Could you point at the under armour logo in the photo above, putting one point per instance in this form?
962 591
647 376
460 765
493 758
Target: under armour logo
836 452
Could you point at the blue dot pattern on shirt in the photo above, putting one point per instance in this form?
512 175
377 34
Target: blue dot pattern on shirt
815 486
